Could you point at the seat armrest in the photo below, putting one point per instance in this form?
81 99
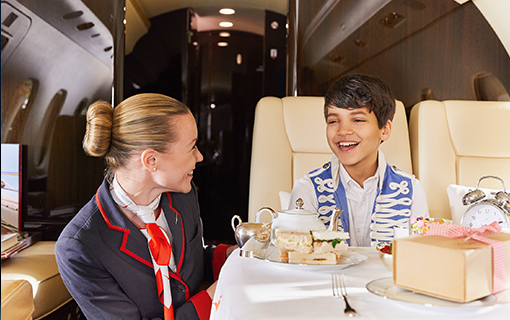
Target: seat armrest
17 300
38 266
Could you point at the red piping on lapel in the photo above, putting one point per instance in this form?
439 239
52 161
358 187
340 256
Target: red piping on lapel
125 231
177 276
183 236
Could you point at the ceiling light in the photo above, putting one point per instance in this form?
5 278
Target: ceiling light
222 44
227 11
226 24
224 34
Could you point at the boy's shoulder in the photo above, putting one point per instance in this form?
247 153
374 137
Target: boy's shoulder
396 170
318 171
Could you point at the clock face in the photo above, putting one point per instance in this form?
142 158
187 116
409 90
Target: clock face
483 214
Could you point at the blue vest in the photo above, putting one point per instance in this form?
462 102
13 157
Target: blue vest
392 204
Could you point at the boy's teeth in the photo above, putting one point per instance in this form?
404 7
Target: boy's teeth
347 144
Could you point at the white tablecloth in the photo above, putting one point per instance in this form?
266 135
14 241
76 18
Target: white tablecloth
250 288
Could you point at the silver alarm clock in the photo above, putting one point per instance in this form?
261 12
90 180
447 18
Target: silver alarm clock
482 211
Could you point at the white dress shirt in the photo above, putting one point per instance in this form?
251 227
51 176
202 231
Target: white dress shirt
360 200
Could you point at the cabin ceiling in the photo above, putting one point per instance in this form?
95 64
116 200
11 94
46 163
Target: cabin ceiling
249 14
210 7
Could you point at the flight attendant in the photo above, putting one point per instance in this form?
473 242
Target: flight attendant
135 251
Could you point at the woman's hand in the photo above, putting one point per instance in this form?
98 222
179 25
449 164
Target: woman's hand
212 289
230 250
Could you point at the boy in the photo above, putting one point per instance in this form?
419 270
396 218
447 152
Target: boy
373 195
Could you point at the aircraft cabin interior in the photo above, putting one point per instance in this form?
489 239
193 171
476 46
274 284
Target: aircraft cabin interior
256 89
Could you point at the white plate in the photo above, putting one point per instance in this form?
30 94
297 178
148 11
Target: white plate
348 258
385 288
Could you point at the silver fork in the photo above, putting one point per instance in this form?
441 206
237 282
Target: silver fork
338 285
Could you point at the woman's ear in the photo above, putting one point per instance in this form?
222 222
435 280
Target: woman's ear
148 158
386 131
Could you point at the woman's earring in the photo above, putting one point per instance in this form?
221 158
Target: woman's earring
154 169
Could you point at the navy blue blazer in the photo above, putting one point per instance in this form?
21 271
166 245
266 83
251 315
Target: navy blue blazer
105 262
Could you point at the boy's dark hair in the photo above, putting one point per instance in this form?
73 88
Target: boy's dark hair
358 91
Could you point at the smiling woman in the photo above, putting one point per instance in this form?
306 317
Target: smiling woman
147 197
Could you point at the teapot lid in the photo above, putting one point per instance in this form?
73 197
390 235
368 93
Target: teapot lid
299 209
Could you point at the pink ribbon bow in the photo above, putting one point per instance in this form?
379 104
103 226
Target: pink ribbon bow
498 249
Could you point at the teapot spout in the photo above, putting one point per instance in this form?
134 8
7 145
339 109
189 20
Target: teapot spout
333 223
264 233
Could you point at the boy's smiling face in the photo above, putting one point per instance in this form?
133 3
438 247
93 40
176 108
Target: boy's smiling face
354 137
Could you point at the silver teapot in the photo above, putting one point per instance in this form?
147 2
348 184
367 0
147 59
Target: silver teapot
244 231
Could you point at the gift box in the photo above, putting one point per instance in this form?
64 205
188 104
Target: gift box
456 269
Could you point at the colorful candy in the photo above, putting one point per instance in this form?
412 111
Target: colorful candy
420 224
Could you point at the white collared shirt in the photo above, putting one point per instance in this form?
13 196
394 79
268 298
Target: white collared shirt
359 200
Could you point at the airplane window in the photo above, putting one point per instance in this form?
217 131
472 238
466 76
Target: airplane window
48 123
15 115
488 87
82 107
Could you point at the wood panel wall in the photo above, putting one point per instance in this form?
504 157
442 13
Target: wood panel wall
434 50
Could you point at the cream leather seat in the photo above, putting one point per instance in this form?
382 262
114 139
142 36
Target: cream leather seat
17 300
458 142
289 140
37 265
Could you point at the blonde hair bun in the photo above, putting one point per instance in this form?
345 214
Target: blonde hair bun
98 134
